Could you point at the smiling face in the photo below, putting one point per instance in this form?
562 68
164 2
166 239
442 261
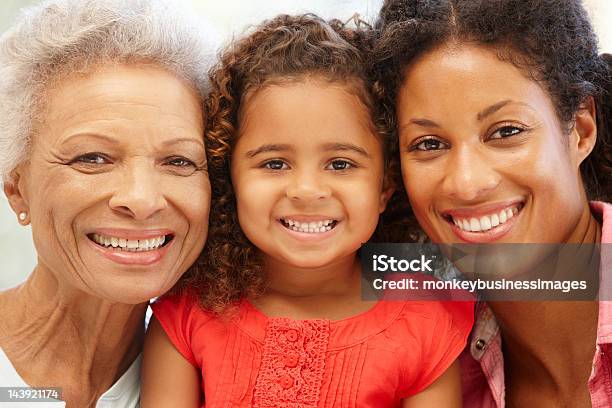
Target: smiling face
484 157
308 173
116 185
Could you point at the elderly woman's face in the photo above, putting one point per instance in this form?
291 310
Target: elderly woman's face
116 185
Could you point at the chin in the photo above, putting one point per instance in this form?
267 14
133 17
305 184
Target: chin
132 294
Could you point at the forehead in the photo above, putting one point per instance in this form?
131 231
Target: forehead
306 112
121 97
464 76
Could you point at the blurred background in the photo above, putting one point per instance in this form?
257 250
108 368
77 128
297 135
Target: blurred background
229 18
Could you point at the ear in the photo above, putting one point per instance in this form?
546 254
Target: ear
584 134
14 186
385 195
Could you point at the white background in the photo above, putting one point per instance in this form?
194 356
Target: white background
228 18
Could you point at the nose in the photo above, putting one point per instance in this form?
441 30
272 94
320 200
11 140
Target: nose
307 185
469 174
139 193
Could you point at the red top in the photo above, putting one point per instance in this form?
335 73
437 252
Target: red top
374 359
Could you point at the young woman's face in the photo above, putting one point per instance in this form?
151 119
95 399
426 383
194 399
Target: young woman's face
308 173
484 156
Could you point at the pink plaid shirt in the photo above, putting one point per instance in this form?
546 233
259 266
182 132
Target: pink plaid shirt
482 361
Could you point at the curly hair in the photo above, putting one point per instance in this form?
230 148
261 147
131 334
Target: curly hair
552 41
283 50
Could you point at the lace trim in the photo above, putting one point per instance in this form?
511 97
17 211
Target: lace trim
293 363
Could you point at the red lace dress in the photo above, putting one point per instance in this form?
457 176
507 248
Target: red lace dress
374 359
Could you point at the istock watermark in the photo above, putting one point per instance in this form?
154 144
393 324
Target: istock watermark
530 272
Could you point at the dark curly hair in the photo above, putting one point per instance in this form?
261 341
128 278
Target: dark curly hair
282 50
552 41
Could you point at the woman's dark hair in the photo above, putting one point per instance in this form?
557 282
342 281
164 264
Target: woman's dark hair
552 41
280 51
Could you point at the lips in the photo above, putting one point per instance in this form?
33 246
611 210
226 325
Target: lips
132 247
485 223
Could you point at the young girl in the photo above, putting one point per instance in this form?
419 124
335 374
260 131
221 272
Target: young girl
298 166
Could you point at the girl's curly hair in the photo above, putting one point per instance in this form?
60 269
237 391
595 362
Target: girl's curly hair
552 41
283 50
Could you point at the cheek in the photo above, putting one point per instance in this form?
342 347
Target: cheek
193 198
254 200
363 207
419 183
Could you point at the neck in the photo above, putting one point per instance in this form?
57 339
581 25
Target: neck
57 334
541 345
330 280
331 292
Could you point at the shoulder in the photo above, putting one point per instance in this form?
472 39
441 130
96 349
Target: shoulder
180 307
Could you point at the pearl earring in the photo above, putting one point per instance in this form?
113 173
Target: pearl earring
22 216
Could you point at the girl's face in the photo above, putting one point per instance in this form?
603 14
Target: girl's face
308 173
484 156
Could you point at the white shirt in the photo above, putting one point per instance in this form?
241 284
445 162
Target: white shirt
125 393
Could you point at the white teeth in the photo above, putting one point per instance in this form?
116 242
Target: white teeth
494 220
312 227
130 245
486 222
474 225
502 216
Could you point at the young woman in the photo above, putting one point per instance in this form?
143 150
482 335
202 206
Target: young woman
502 116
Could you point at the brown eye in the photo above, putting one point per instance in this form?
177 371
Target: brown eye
428 144
340 165
276 165
92 158
506 131
181 162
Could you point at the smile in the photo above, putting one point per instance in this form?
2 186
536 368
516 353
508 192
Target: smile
309 227
130 245
485 222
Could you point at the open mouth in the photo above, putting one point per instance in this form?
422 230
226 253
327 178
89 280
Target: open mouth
486 222
309 227
130 245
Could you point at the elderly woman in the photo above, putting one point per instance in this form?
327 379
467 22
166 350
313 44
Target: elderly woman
503 133
102 152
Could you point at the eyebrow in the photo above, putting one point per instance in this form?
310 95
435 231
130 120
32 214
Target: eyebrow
346 147
492 109
200 143
94 135
480 115
268 148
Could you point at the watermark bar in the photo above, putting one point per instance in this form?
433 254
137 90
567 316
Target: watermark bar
490 272
30 395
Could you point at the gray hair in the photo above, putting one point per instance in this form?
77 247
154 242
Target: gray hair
60 37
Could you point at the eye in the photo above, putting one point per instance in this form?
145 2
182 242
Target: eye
340 165
180 162
506 131
92 158
428 143
276 165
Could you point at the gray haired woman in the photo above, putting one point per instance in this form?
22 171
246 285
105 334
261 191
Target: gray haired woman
102 152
